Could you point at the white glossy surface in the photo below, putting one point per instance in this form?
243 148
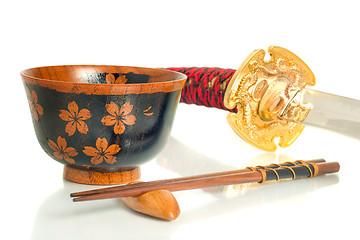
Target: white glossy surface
35 202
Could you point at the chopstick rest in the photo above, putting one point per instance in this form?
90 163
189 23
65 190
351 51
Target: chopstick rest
159 204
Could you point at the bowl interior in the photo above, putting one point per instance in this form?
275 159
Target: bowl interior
103 74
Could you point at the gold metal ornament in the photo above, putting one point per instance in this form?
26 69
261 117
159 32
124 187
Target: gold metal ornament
267 94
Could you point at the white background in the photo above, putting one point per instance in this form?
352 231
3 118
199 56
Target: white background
34 199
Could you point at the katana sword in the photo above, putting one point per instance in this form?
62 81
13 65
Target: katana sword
268 99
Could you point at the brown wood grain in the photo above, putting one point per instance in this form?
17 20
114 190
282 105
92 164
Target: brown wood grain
70 79
93 177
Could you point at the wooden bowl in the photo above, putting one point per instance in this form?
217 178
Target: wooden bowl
102 122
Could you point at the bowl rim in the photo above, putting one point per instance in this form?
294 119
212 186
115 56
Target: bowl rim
105 88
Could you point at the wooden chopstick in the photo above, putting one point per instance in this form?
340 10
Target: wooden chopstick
193 183
142 184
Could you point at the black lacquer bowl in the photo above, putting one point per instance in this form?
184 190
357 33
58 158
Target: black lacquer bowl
102 122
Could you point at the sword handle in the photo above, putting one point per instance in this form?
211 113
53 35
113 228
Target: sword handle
205 86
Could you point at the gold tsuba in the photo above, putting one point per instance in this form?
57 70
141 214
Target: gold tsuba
267 95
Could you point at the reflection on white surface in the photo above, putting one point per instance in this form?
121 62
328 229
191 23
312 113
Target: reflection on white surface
186 161
59 218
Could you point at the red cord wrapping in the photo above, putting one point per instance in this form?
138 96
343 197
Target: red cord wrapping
205 86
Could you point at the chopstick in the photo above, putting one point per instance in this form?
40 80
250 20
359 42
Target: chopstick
112 189
192 182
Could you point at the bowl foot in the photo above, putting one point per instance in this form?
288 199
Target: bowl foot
97 176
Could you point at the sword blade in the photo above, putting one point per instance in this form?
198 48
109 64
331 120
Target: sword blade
332 112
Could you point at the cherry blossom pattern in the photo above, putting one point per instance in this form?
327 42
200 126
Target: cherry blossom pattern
102 152
61 151
119 117
111 79
35 107
75 119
